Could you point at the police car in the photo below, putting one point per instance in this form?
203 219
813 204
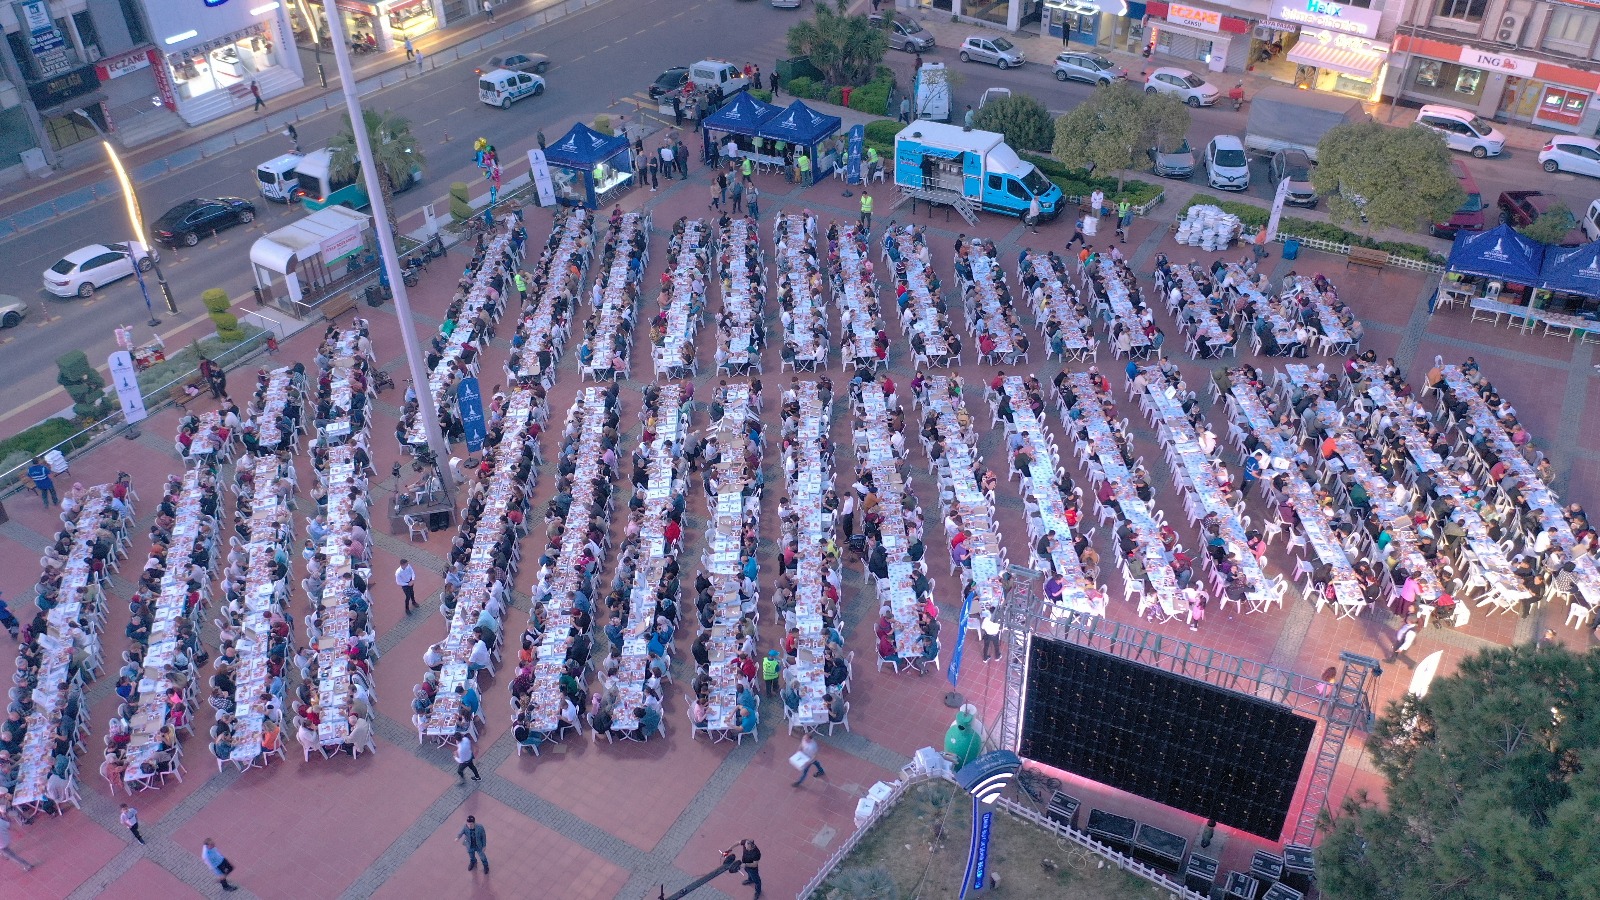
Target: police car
501 87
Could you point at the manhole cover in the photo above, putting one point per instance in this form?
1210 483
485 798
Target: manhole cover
824 836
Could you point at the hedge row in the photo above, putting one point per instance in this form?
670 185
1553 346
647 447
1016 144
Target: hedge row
1256 217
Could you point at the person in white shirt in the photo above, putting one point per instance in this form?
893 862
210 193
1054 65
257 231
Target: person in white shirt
479 659
130 821
406 577
1208 441
464 759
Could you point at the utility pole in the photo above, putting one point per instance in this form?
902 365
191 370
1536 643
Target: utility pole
391 260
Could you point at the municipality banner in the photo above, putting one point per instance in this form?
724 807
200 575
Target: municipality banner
469 402
858 140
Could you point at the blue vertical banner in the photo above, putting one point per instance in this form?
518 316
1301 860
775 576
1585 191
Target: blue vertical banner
858 142
469 403
980 871
953 671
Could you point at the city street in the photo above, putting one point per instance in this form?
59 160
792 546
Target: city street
603 59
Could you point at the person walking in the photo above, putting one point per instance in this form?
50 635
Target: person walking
773 78
1124 219
746 167
1032 219
806 758
488 10
677 111
8 853
43 483
1078 226
293 135
411 51
866 212
752 202
1403 639
474 838
736 196
750 858
465 760
130 820
722 188
681 154
771 671
967 119
419 59
716 198
219 864
655 172
405 576
520 279
666 161
255 91
989 632
905 110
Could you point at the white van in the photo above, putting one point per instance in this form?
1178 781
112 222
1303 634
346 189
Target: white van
1591 221
1463 130
502 87
276 178
719 74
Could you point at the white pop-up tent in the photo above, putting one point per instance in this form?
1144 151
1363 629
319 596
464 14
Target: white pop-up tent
304 253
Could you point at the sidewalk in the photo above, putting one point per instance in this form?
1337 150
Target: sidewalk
36 203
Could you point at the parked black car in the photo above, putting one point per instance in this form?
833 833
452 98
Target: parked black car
192 220
669 81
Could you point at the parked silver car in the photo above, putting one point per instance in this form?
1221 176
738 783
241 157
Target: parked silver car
996 51
1177 163
1294 165
1090 67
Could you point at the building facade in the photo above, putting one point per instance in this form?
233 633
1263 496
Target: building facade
208 56
1527 61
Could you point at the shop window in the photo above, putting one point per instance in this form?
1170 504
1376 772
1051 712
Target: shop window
1458 84
64 131
228 63
132 15
88 36
1563 105
1571 30
1467 10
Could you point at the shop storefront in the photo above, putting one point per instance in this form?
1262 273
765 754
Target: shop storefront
226 63
1497 85
1323 46
1206 36
1111 24
129 82
381 25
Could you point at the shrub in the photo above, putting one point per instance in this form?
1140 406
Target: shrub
804 88
217 305
872 97
763 96
602 124
1024 121
31 442
836 95
83 384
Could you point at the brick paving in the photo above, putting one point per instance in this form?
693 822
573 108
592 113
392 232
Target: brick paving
587 820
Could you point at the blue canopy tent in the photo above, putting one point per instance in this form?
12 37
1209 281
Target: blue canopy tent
1572 270
805 129
1500 253
742 116
589 169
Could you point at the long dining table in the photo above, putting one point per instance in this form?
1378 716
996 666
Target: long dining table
800 289
812 477
729 510
682 296
877 455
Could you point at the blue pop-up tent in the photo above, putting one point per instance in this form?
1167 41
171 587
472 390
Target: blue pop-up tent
805 129
743 116
1572 270
588 168
1500 253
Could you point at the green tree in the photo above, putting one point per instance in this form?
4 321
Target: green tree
1493 787
1022 119
83 384
1552 225
394 151
1382 177
1112 129
846 48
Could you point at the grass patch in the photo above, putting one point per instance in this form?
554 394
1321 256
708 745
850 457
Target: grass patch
920 848
182 362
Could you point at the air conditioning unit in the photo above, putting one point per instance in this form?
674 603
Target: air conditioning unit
1509 29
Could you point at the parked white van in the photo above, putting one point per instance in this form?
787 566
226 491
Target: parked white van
1591 221
502 87
719 74
276 178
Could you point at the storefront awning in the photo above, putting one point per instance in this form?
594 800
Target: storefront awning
1359 60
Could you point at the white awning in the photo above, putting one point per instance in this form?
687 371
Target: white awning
280 250
1358 59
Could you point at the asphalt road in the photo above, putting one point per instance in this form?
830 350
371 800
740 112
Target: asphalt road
1513 170
602 58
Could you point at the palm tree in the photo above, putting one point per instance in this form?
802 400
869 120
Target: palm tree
394 151
846 48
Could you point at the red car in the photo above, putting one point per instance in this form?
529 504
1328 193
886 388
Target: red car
1521 208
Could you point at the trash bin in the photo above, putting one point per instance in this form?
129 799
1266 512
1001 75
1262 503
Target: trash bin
844 96
1291 249
374 295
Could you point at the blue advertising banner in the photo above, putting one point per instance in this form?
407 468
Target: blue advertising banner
469 402
953 672
981 870
858 141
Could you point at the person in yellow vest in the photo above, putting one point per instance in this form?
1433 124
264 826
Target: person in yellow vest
802 164
866 211
744 167
1124 219
872 163
771 668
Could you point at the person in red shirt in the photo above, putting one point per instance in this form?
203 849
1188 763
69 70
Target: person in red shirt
986 344
673 532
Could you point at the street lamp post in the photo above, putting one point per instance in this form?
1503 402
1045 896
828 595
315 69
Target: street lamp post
391 259
136 218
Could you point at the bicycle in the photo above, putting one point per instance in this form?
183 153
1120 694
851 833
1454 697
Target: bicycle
1036 784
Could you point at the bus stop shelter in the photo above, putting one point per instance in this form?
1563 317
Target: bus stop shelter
304 255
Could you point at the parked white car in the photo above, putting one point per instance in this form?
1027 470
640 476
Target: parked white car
1185 85
1569 153
1227 166
996 51
80 272
1463 130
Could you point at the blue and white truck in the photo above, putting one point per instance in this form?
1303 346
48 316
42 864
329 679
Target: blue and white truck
976 170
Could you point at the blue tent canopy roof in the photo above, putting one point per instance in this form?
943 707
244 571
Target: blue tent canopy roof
743 115
800 124
1499 253
1572 270
582 147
